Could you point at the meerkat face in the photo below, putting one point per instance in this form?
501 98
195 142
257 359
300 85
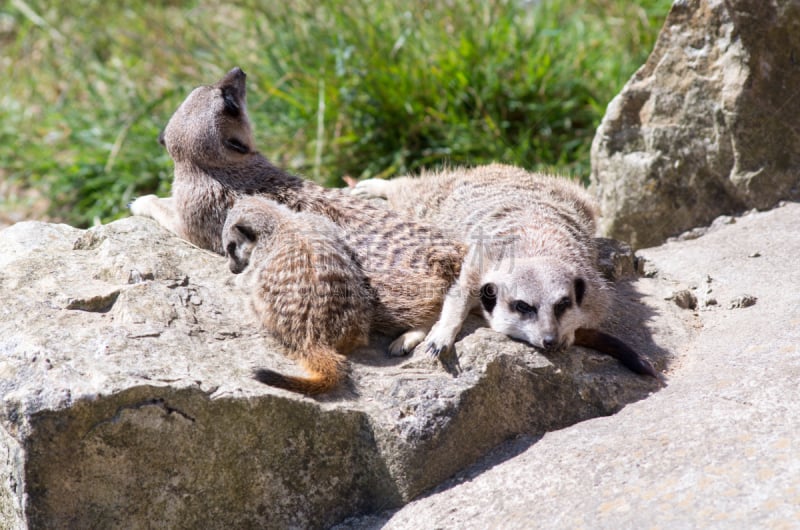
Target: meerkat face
211 127
536 300
239 240
253 220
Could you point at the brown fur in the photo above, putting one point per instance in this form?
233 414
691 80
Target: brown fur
532 263
308 291
410 265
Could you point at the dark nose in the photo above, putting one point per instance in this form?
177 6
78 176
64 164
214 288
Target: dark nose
549 342
237 266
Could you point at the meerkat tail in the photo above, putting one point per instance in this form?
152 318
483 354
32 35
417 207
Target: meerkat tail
327 369
610 345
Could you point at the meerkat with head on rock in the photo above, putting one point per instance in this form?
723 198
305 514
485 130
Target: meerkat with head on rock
306 288
409 264
531 267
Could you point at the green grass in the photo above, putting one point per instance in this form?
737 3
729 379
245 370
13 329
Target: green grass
357 87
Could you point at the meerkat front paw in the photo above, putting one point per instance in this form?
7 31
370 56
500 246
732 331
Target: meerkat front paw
371 188
143 205
406 342
439 341
162 210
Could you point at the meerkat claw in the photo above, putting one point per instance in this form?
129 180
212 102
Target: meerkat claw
434 350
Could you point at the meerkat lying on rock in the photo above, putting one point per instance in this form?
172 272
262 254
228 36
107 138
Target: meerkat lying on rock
531 265
307 289
410 264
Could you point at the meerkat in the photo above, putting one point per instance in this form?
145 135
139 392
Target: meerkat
531 265
307 290
410 264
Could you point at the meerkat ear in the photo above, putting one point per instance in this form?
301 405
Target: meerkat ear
580 290
489 296
161 139
246 232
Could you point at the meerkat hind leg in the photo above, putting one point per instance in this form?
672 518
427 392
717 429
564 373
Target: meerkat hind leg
406 342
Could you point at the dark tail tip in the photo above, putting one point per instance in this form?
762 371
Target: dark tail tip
268 377
307 386
610 345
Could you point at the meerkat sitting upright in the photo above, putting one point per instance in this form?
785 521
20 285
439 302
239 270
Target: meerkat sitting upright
307 289
532 261
410 264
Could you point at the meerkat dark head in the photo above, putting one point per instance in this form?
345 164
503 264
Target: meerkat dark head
538 300
252 221
211 127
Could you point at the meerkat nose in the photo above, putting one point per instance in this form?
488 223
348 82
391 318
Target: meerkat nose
549 342
235 72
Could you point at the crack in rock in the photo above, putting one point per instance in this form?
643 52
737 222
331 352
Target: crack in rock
154 402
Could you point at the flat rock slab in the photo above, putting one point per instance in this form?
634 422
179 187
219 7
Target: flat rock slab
717 448
127 399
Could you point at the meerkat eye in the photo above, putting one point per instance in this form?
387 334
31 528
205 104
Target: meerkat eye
562 306
236 145
231 249
161 139
523 308
247 232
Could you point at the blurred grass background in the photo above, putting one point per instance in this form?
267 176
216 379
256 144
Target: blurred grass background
343 87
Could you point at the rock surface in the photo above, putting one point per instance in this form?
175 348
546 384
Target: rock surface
717 448
708 126
127 401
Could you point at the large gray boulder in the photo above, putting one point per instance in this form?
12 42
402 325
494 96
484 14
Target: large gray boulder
717 448
127 400
708 126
